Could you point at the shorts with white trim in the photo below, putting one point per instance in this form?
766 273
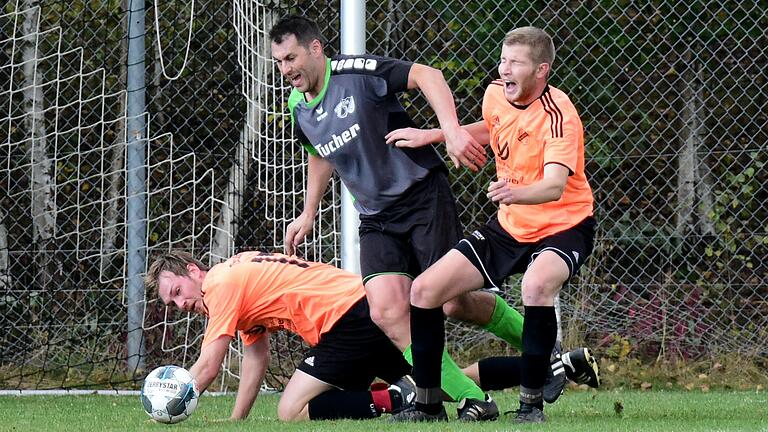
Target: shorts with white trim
354 352
497 255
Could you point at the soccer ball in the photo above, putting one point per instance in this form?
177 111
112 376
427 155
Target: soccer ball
169 394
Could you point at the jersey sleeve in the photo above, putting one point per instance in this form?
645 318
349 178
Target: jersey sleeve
393 72
223 299
564 149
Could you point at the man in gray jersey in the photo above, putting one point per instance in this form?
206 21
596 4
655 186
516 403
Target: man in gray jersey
342 108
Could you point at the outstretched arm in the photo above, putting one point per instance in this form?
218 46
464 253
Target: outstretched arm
255 363
207 365
412 137
462 148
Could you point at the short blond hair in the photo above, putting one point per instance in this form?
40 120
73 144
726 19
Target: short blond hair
173 262
542 47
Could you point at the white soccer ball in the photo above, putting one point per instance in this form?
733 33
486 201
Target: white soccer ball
169 394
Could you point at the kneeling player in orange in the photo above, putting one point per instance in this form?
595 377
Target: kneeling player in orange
255 293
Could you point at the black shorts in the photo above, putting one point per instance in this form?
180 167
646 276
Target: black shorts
498 255
410 235
354 352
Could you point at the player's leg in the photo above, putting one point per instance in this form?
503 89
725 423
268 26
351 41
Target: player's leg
450 276
489 311
300 390
555 260
540 285
396 245
385 266
333 380
388 296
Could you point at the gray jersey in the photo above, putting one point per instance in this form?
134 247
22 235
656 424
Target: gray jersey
346 124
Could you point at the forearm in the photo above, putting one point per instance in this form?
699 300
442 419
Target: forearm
251 376
540 192
478 130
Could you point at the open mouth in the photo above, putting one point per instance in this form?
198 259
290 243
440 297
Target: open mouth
510 86
295 80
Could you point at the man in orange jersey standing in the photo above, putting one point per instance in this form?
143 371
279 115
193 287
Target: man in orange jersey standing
544 227
255 293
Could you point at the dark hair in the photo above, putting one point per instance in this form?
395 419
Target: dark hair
175 262
302 27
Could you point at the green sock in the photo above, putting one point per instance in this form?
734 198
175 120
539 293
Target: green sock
506 323
454 383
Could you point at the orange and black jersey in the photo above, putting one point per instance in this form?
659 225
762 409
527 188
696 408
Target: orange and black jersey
257 292
525 139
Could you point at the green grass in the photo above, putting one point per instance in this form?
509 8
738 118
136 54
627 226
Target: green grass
586 411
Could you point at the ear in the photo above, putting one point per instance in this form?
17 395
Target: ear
315 47
192 269
542 70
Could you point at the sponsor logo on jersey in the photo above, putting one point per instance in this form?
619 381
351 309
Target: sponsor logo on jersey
501 151
321 113
345 107
338 141
354 63
523 137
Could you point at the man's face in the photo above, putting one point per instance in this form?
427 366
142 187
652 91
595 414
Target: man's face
183 292
304 67
519 73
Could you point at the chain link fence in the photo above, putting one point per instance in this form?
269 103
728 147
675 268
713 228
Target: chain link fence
672 97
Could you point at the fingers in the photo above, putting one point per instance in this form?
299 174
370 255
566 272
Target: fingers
495 185
455 160
288 245
401 137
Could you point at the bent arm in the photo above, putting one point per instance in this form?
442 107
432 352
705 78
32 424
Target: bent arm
432 83
255 363
549 188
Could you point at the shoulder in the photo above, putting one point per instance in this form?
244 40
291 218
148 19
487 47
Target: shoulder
364 64
559 99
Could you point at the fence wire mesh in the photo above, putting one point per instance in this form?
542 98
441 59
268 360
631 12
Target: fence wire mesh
672 96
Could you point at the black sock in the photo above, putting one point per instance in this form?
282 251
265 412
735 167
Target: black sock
338 404
427 343
539 335
499 373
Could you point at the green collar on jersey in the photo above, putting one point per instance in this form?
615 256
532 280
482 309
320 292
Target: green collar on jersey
297 96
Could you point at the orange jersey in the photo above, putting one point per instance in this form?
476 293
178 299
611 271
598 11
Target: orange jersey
524 139
258 292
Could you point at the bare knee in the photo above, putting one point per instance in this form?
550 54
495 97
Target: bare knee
287 411
539 292
385 315
424 296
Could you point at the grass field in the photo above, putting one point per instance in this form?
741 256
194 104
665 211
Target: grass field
586 411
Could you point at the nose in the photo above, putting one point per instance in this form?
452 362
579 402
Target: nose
180 304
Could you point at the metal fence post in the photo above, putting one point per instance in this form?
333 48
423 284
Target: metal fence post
352 42
136 193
